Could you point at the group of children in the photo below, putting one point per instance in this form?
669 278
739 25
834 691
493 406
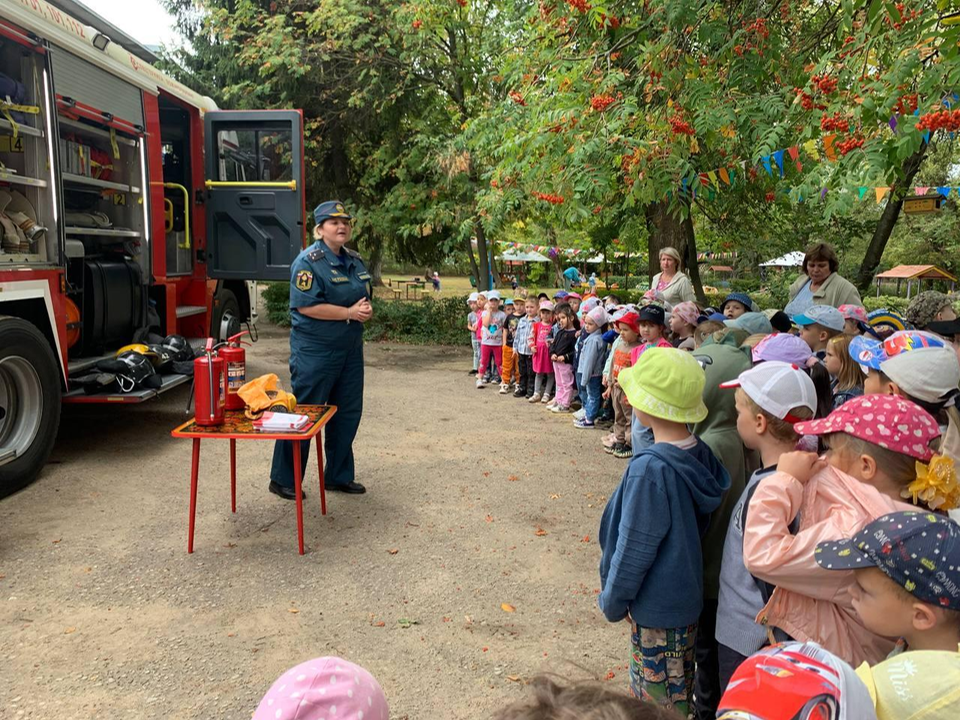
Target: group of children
789 482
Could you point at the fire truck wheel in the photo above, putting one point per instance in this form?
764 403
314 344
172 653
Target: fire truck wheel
226 316
29 403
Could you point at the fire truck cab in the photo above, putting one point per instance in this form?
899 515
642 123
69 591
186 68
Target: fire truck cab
130 206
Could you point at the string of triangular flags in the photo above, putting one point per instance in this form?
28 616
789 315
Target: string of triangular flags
551 251
713 180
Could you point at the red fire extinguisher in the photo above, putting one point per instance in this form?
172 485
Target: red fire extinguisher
235 363
210 387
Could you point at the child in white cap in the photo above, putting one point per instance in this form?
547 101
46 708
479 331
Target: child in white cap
472 327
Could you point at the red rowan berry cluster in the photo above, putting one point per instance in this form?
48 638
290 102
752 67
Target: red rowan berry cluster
601 102
547 197
806 100
849 145
517 97
824 83
679 126
940 120
906 104
579 5
417 24
837 123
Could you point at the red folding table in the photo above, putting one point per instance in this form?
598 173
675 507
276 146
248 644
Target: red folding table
239 427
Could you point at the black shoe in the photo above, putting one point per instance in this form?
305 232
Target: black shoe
472 372
520 393
287 493
352 488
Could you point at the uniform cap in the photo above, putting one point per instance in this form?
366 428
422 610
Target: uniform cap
330 209
823 315
889 421
919 551
777 388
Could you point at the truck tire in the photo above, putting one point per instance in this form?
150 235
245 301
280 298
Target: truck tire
226 315
29 403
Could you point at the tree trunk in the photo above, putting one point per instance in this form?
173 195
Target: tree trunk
666 229
888 219
483 281
475 271
375 260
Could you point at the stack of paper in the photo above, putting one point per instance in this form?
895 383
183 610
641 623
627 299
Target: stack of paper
281 422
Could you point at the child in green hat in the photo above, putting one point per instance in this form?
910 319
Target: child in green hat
651 570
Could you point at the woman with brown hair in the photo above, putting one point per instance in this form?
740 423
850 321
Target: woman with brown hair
820 284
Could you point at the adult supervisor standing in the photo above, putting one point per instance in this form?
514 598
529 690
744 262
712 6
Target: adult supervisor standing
329 303
671 284
820 283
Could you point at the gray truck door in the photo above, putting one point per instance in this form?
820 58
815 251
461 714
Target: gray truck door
254 186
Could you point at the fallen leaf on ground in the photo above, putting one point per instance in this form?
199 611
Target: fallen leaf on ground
512 478
379 623
586 538
507 607
292 610
57 541
393 551
489 518
554 496
487 474
405 622
610 675
484 649
69 630
540 532
513 678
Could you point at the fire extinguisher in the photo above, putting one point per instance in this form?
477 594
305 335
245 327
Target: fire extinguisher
235 363
210 387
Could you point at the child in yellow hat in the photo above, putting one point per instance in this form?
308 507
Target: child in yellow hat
651 570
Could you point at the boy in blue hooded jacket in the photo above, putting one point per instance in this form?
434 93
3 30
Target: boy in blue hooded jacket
651 569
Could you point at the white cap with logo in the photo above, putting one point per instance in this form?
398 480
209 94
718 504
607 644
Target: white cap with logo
777 387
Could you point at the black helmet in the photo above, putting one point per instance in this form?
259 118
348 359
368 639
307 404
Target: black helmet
179 347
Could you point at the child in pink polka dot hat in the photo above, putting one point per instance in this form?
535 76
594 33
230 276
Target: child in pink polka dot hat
326 687
877 452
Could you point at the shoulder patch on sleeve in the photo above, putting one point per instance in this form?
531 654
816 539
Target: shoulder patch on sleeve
304 280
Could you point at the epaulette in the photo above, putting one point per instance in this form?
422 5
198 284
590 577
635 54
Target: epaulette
315 255
352 253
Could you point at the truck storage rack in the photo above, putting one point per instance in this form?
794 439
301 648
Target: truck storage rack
168 383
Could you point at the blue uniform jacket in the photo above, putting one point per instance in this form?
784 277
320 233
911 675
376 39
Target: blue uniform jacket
318 276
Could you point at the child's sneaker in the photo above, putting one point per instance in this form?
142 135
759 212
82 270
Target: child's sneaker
603 422
583 424
557 408
623 451
519 393
504 389
610 449
545 399
580 414
479 384
610 440
534 398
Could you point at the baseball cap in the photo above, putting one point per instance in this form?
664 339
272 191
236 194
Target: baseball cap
919 685
719 317
890 421
472 297
924 308
652 313
508 301
560 294
778 388
779 320
666 383
630 319
854 312
493 295
741 298
921 363
783 347
795 680
919 551
752 322
546 305
574 295
823 315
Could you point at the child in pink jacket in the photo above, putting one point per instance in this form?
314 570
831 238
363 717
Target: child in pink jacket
873 445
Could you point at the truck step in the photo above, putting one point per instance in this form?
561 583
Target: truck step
169 382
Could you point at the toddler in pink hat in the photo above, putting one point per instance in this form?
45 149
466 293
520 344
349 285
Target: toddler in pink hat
326 687
876 447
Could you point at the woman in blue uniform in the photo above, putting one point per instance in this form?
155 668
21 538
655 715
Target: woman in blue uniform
329 303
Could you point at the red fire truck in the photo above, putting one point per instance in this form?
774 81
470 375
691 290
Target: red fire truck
128 203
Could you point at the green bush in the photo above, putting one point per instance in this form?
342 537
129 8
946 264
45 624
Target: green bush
423 322
890 302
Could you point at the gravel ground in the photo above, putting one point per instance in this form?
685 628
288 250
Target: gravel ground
468 567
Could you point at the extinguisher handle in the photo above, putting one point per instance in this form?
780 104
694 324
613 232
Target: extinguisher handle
209 347
235 339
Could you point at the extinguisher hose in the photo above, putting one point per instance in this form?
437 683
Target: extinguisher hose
213 397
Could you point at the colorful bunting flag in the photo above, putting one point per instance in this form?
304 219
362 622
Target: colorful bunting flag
828 141
863 191
713 178
778 158
810 146
795 156
919 190
881 193
944 191
766 165
724 175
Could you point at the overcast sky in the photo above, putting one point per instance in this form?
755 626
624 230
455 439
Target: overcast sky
145 20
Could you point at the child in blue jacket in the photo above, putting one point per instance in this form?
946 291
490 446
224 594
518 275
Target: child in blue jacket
651 569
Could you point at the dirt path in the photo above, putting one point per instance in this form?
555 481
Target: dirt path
475 500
